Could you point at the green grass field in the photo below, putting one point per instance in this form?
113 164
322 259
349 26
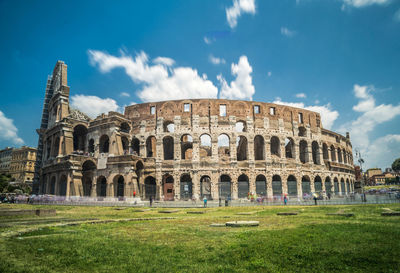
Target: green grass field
308 242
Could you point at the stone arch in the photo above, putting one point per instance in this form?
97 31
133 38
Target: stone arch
325 152
225 186
79 137
53 182
125 144
348 185
56 147
205 146
315 153
151 146
261 185
275 146
317 184
303 147
91 145
289 148
259 148
342 186
328 185
119 186
125 128
63 185
88 168
276 186
339 155
135 146
336 185
344 156
101 186
186 147
104 144
169 126
205 187
186 187
223 146
241 148
292 186
168 148
243 186
150 187
306 186
333 153
168 187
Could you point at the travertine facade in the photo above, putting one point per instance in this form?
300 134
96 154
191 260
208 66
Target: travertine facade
184 149
22 164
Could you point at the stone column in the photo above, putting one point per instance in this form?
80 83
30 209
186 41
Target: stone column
93 191
195 185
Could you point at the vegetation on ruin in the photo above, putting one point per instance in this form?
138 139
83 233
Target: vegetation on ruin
311 241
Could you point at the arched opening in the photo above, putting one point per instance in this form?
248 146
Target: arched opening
240 126
168 148
79 135
289 148
315 152
125 145
318 184
186 187
168 187
135 146
292 185
119 186
205 187
56 147
243 186
328 185
169 126
151 146
53 185
339 155
104 144
44 185
336 185
259 148
325 153
302 131
348 185
275 146
261 185
241 148
342 186
303 151
48 148
205 146
333 153
101 186
276 186
88 168
186 147
225 186
223 147
91 145
306 186
344 156
150 187
125 128
63 186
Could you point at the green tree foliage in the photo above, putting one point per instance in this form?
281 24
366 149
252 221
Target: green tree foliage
396 165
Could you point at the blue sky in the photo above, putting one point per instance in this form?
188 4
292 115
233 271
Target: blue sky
338 57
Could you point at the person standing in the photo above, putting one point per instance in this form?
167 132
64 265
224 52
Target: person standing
285 200
151 201
205 201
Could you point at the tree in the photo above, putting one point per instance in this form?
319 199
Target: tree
396 165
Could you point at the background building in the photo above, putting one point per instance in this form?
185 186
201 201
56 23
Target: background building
23 164
5 160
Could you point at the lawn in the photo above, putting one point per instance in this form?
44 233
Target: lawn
311 241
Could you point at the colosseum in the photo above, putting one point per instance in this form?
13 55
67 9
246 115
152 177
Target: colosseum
187 149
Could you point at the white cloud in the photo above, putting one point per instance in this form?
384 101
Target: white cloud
239 7
159 82
164 60
364 3
92 105
242 87
216 60
8 131
328 116
396 16
371 116
382 152
301 95
124 94
287 32
269 74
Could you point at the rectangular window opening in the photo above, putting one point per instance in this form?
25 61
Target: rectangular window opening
152 110
301 118
272 111
186 107
222 110
256 109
